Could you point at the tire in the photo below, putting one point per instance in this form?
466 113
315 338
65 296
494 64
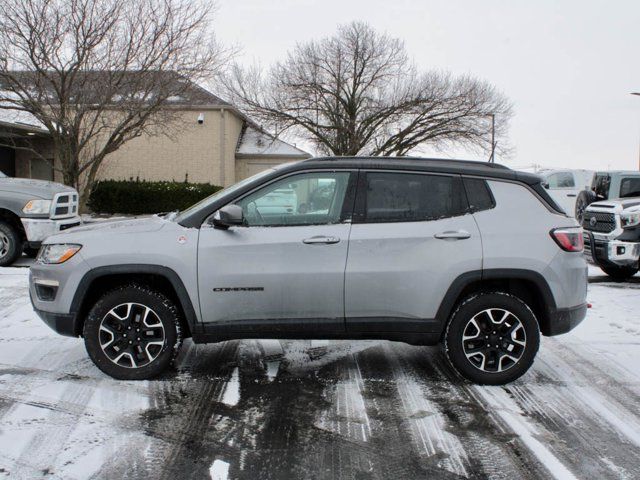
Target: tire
116 320
10 244
490 365
585 198
619 273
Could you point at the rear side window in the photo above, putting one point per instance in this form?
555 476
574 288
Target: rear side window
411 197
478 194
630 187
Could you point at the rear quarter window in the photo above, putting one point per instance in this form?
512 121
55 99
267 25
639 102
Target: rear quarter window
479 194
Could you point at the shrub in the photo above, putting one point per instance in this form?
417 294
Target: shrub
141 197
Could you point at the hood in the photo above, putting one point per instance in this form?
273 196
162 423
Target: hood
36 188
105 228
616 205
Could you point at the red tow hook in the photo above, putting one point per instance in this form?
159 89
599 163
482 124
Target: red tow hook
588 305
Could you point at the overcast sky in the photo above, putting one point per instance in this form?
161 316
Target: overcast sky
568 66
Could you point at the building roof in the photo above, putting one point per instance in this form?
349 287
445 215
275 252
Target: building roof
93 87
18 119
255 142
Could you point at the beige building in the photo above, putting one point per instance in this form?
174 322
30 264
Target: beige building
212 142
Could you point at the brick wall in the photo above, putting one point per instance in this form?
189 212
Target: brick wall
192 149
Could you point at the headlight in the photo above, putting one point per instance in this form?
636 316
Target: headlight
57 253
630 219
37 206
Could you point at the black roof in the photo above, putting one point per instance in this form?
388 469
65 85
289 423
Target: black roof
437 165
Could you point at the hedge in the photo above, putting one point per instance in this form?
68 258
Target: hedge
140 197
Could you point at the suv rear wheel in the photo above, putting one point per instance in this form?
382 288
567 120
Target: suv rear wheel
10 244
492 338
133 333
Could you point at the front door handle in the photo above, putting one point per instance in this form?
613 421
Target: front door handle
453 235
320 239
571 194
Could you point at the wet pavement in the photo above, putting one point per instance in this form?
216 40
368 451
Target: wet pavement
322 409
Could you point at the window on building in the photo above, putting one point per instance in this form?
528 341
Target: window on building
42 169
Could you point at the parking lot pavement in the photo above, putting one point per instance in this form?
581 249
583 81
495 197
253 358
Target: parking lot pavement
322 409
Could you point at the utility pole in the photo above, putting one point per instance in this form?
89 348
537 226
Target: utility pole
493 137
637 94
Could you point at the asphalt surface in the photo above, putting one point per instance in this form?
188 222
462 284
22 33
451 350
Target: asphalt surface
322 409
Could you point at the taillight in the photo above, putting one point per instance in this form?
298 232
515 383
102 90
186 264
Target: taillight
569 239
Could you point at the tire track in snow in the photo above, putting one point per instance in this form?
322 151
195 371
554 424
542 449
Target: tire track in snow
428 424
491 448
395 435
347 415
497 399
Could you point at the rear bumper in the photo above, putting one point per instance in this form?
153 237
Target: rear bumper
38 229
563 320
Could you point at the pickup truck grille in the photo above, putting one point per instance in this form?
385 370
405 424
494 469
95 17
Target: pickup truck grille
65 205
604 222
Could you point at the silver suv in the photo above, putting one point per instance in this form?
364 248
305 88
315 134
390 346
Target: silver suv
472 255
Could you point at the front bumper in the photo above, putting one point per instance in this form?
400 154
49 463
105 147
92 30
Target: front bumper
37 229
565 319
61 323
617 252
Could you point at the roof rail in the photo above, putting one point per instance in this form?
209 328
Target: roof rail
409 158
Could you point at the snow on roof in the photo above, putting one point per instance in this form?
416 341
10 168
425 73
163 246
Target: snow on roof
255 142
15 117
20 119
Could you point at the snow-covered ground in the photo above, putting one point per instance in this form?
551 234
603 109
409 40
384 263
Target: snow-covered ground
322 409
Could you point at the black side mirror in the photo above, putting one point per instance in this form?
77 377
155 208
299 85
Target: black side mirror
228 216
545 185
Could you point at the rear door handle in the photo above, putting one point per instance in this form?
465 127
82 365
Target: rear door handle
571 194
453 235
320 239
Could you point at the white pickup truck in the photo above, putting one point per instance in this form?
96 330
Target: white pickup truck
30 211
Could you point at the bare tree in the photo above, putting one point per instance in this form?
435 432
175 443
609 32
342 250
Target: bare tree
98 73
358 93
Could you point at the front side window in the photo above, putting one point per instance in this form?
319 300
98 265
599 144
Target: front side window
630 187
561 180
601 185
304 199
410 197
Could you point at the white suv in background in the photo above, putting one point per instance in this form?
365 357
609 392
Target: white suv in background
564 186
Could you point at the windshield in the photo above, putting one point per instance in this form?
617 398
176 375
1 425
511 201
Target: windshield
212 198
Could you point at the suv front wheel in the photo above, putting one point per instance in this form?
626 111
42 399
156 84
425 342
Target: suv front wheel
492 338
133 333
